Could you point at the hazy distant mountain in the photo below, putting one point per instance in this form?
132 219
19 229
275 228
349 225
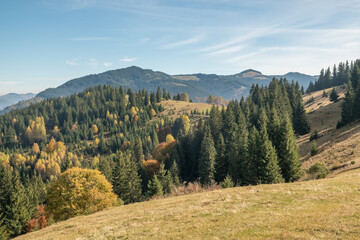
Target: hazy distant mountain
12 98
196 85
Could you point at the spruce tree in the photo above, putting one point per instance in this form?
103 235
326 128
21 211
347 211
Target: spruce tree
334 96
287 152
221 166
126 181
154 187
17 213
267 162
165 179
347 105
207 158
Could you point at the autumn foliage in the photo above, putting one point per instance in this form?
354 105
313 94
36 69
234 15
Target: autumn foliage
77 192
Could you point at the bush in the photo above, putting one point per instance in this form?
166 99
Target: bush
314 149
318 170
77 192
227 183
310 100
314 135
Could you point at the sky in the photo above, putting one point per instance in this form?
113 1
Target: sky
44 43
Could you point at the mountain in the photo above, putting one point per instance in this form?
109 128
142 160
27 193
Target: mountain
196 85
303 79
12 98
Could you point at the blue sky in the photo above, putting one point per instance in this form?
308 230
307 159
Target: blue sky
44 43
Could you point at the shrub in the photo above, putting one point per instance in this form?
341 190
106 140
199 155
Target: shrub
77 192
227 183
318 170
314 149
314 135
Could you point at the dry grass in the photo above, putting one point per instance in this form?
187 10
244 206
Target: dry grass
322 209
337 147
175 109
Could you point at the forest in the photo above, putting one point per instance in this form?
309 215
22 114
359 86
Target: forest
107 146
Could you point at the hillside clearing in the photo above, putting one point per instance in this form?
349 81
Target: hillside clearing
337 147
322 209
175 109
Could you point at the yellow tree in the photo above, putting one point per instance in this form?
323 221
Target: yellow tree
77 192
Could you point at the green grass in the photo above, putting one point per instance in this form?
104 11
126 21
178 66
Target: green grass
322 209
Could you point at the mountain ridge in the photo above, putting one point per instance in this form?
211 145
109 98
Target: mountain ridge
196 85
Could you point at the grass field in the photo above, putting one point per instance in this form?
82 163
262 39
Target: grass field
337 147
175 109
322 209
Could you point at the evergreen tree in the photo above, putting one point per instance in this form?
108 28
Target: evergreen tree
287 152
126 181
155 188
347 105
165 179
14 202
207 158
356 104
158 95
221 166
334 96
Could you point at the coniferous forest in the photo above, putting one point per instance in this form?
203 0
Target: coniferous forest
107 146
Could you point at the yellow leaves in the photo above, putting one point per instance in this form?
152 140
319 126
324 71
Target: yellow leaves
115 122
19 159
79 191
169 138
4 159
135 118
133 111
162 122
185 123
36 131
126 119
36 148
152 112
97 141
50 147
95 162
94 129
14 121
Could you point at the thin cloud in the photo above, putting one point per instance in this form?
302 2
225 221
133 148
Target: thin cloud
127 59
227 50
91 39
107 64
183 42
9 83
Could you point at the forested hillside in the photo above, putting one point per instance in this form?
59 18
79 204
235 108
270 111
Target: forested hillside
196 85
340 74
138 151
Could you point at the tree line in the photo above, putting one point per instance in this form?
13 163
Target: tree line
339 75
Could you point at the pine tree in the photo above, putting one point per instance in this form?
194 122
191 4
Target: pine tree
165 179
227 183
158 95
347 105
221 166
334 96
267 162
16 211
155 188
126 181
207 158
356 104
287 152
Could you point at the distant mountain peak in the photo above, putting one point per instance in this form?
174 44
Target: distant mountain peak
249 73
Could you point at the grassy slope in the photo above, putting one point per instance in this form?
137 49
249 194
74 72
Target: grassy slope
337 147
322 209
179 108
326 209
